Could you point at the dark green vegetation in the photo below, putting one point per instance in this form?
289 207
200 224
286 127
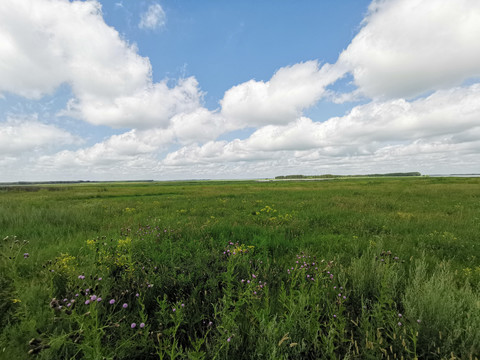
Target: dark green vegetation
352 268
330 176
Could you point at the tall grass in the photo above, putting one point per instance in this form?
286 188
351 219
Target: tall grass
359 268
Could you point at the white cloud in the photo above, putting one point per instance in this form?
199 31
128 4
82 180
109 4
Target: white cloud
199 125
46 43
280 100
149 107
153 18
448 118
409 47
24 135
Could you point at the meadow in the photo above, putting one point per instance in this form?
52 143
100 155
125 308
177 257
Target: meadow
344 268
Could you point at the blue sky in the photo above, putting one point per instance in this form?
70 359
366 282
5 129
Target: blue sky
125 90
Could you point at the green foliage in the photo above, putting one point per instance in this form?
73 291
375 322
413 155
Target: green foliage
352 268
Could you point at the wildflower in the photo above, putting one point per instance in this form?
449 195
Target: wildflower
210 323
87 302
87 291
399 323
399 315
99 279
99 299
254 276
419 321
112 301
77 295
183 305
174 309
133 325
125 305
65 300
69 304
26 255
81 277
335 316
229 339
137 294
254 293
93 297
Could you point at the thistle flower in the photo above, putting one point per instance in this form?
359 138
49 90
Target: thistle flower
112 301
133 325
125 305
142 325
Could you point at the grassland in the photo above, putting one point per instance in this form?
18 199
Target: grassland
352 268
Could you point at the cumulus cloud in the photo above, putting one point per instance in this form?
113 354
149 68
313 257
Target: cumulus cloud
445 117
280 100
46 43
24 135
409 47
153 18
149 107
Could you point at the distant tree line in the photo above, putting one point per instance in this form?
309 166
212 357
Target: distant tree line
329 176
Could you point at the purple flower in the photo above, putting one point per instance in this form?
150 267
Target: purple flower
399 323
77 295
399 315
87 302
335 316
142 325
133 325
99 279
81 277
99 299
125 305
112 301
174 309
229 339
93 297
137 294
87 291
26 255
183 305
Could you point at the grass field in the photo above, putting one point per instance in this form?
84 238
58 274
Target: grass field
352 268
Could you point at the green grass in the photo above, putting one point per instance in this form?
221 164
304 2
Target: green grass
394 261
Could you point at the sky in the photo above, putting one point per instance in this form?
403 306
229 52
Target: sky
188 89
